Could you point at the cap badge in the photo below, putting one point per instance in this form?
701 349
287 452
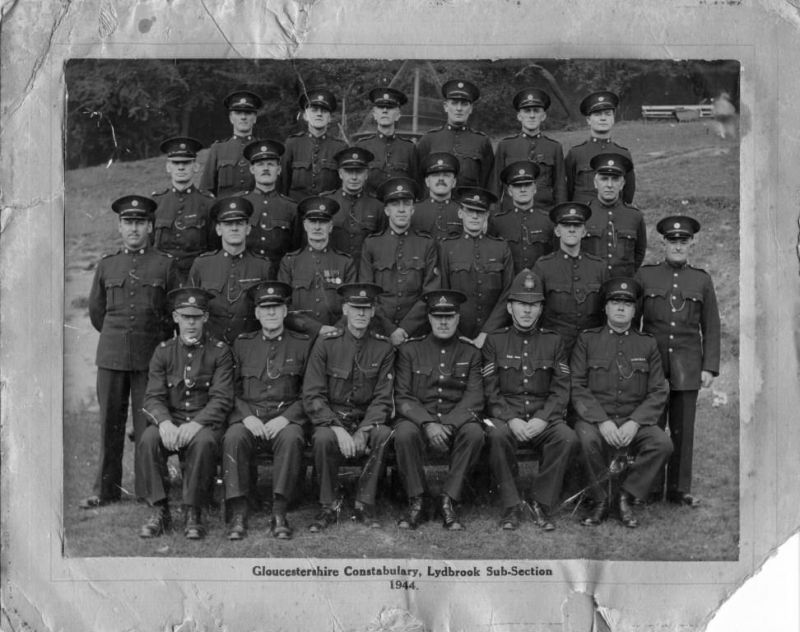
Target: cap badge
243 100
460 85
321 207
192 300
522 172
572 211
476 197
232 205
355 156
385 95
134 202
529 284
601 98
399 187
623 286
182 145
530 96
442 300
362 293
610 163
676 225
263 148
440 162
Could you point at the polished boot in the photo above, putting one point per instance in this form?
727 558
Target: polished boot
598 514
540 517
450 519
279 527
158 523
626 511
415 515
194 524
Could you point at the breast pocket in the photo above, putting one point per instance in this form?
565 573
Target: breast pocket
156 291
493 275
421 378
226 173
626 243
115 292
599 375
509 370
641 375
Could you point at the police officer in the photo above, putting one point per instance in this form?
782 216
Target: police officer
478 265
619 391
308 167
437 215
599 108
348 395
615 232
274 227
403 262
268 412
680 311
473 149
439 397
316 271
226 171
189 395
128 306
183 226
229 272
530 144
526 382
527 230
393 155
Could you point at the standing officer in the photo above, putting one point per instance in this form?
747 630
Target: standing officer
360 213
403 262
680 311
183 226
268 413
438 214
226 170
473 149
527 230
599 108
274 229
128 306
526 382
393 155
189 395
308 167
229 272
316 271
478 265
615 232
530 144
348 395
571 279
619 392
439 396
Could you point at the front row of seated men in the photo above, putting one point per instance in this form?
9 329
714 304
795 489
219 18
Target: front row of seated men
351 392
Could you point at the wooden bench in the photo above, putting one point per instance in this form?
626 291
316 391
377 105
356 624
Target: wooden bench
680 113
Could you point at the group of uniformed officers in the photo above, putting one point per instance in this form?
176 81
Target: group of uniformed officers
392 296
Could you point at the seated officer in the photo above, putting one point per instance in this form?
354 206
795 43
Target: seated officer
526 382
188 397
268 413
439 398
438 214
347 394
619 392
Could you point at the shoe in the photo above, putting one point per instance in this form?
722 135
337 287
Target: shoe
93 502
598 515
415 515
158 524
450 520
626 511
279 527
654 497
364 514
324 519
540 517
511 518
679 498
194 524
238 526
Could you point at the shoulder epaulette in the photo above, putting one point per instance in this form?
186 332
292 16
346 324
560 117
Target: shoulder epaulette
163 343
165 191
502 330
219 140
378 336
415 338
513 136
494 237
549 138
300 133
467 340
593 329
477 131
336 333
592 256
435 129
453 237
297 334
219 344
420 233
552 255
367 137
340 252
580 144
208 253
329 193
246 335
168 255
544 330
620 146
703 270
502 211
205 193
294 253
110 254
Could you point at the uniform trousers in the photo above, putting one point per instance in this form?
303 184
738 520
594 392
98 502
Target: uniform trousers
556 444
410 443
328 457
679 416
199 459
239 445
650 446
113 390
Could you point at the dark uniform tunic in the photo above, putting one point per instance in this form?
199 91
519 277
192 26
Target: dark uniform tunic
680 310
571 288
618 377
268 380
616 233
473 150
228 277
438 381
405 266
437 219
226 172
580 175
308 166
183 225
185 383
128 306
482 268
551 183
275 228
394 156
349 382
359 215
525 375
315 275
529 234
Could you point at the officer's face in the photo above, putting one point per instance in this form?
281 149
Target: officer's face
358 317
524 315
190 326
472 220
441 183
531 118
181 171
443 326
457 110
620 313
608 187
676 249
385 116
317 117
271 317
353 180
601 122
522 194
266 172
570 234
318 231
399 213
233 233
135 232
242 122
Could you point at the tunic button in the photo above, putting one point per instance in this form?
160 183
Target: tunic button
672 323
188 393
670 349
671 336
